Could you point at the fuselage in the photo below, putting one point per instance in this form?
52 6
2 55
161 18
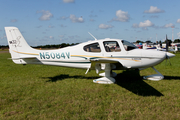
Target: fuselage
80 56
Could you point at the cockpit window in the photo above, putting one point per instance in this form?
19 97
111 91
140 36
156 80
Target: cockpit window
92 47
128 46
111 46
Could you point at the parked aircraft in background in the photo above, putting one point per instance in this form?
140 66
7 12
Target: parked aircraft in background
157 47
104 54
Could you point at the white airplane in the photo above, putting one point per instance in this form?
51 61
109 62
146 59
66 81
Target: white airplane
105 54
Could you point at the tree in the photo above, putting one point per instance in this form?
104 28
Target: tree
148 41
177 41
160 43
138 41
168 42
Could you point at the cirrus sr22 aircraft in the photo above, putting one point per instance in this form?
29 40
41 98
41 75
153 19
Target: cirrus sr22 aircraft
104 54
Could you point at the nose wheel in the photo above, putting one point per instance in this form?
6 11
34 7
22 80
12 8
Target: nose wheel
154 77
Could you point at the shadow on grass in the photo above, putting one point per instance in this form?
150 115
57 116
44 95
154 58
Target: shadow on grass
132 81
129 79
171 77
64 76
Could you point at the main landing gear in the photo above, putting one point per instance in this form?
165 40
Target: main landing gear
107 75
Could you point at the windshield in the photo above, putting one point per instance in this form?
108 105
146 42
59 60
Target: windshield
128 46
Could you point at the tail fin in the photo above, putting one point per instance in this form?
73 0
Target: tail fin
18 47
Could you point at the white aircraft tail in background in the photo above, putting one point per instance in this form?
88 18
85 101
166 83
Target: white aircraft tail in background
105 54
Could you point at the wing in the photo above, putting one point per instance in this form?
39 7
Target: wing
116 65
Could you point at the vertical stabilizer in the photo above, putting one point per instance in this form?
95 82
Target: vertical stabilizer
17 44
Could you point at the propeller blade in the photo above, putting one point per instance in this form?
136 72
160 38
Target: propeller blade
168 55
166 44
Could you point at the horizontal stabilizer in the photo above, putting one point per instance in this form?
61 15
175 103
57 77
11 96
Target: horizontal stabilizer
22 58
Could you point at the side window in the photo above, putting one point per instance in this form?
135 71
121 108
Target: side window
111 46
92 47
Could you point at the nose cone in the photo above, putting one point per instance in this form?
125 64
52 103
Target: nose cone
170 55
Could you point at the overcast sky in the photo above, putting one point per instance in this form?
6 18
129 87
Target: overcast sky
69 21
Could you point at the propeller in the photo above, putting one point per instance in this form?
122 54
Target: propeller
167 56
166 44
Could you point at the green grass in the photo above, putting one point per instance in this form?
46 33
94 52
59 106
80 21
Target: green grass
50 92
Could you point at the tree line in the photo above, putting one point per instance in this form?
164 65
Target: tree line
159 42
44 46
56 46
4 47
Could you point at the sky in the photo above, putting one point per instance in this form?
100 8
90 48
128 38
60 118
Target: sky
43 22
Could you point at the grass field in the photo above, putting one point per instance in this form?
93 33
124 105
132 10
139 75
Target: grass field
49 92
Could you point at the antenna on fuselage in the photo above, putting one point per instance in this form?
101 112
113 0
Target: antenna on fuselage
92 35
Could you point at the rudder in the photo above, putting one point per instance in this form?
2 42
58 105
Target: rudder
17 44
